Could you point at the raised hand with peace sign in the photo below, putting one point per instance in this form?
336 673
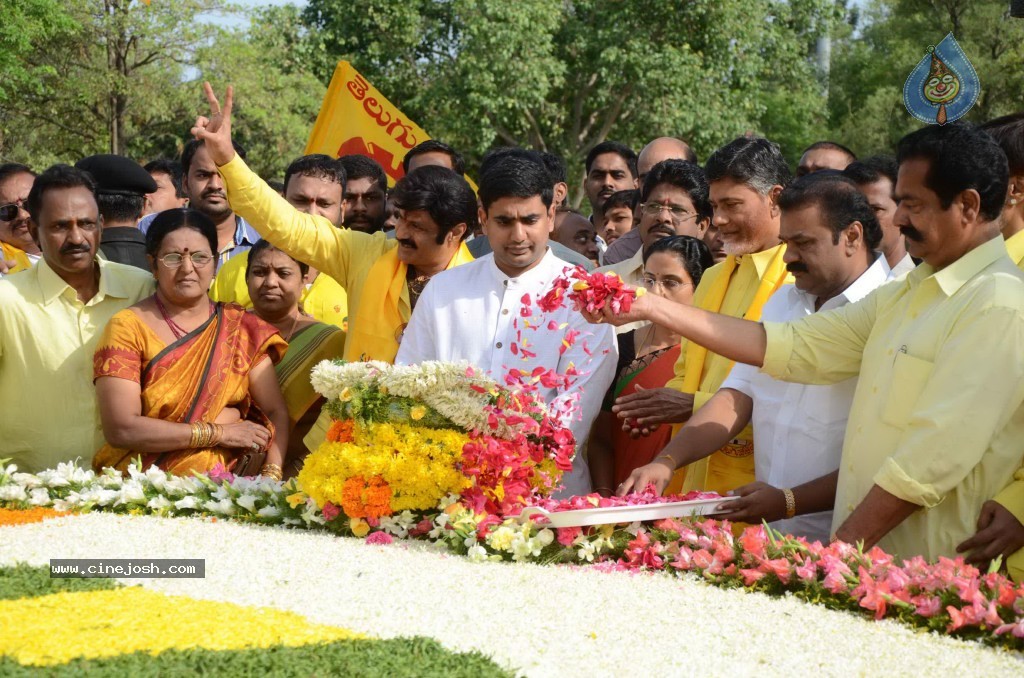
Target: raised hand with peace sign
215 130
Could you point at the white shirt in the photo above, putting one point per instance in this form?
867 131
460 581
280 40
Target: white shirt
903 266
799 428
472 313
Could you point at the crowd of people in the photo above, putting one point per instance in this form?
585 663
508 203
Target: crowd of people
841 350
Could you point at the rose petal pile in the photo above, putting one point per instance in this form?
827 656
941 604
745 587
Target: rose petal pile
591 292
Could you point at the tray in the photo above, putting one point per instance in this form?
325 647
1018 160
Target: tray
627 514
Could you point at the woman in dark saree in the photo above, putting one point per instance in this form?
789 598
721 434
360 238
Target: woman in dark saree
184 383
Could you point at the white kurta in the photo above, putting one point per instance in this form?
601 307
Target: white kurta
799 428
473 313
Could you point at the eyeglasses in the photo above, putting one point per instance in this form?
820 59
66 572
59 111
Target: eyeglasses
10 212
667 284
174 259
679 214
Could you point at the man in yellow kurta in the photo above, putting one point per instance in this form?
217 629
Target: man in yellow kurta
314 184
383 276
937 421
745 177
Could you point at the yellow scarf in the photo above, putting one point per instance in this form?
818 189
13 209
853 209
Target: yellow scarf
774 277
374 332
12 253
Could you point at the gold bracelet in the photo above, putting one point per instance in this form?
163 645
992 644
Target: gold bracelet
271 471
790 502
671 460
218 433
207 433
193 441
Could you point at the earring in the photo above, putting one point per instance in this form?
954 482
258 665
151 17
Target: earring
1013 201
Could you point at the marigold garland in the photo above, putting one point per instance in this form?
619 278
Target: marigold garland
26 516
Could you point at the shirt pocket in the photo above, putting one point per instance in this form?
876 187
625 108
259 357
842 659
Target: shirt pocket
909 377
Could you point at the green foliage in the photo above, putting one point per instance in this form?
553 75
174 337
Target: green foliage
868 70
411 657
25 581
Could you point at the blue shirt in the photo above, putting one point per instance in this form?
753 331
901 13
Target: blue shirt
245 236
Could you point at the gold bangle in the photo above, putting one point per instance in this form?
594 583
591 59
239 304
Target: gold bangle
193 441
671 460
790 502
218 433
271 471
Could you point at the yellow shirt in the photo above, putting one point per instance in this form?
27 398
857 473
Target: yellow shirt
938 415
341 253
48 411
11 253
1015 247
722 472
325 299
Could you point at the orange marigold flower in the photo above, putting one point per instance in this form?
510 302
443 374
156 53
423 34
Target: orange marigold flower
362 498
23 517
340 431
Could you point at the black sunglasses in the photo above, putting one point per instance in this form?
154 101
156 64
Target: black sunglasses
10 212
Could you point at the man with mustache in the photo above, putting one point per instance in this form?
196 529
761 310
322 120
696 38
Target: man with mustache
51 317
366 187
611 167
17 249
476 312
383 276
745 178
831 234
937 419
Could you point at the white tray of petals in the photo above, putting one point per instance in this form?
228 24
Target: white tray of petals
627 514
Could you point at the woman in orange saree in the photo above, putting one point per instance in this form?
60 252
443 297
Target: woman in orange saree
182 383
673 267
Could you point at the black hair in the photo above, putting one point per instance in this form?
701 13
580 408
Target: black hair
839 200
831 146
621 150
172 168
361 167
317 165
555 165
515 174
441 193
119 207
870 170
960 157
10 169
435 146
693 252
193 145
1008 131
263 246
169 221
629 198
754 161
57 176
682 174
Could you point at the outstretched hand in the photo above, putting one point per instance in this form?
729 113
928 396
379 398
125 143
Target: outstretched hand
640 310
215 130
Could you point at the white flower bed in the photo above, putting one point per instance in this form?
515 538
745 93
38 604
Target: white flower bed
541 621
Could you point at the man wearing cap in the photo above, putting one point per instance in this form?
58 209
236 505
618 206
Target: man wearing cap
121 188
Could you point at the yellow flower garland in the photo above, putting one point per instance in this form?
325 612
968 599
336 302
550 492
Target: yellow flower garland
419 464
58 628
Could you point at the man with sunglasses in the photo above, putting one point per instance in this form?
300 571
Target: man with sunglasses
17 249
51 317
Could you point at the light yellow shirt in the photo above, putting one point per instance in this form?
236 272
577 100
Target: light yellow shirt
938 415
722 472
325 299
343 254
48 410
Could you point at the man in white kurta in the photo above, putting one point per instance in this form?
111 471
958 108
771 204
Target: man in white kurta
479 312
799 428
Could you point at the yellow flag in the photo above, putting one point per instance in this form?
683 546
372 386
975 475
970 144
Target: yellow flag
356 119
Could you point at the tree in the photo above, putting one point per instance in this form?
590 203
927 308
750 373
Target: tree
866 103
566 77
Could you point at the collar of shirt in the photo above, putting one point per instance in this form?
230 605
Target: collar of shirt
953 277
1015 247
874 276
549 267
245 234
759 259
53 286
